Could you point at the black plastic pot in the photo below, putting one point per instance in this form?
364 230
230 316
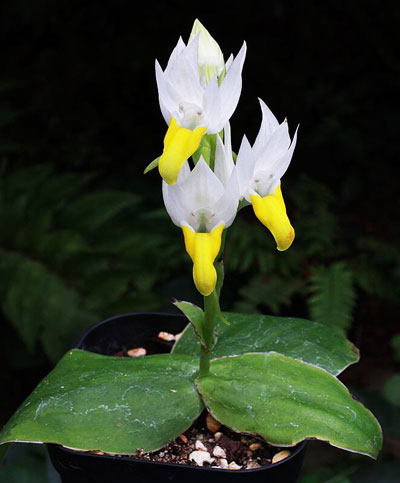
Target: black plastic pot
140 330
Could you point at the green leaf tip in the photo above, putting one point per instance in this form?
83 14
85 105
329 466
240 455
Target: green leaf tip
152 165
195 315
112 404
285 401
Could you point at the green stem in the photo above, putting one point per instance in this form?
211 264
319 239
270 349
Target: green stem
211 310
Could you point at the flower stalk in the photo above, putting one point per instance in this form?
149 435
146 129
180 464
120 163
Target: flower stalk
211 311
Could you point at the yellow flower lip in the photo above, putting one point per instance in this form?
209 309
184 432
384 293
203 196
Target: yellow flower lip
271 211
179 144
203 248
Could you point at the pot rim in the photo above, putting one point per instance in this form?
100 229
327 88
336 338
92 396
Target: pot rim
110 319
298 448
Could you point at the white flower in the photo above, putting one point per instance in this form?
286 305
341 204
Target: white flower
190 105
203 205
259 171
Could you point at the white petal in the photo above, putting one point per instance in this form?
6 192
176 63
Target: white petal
227 205
168 103
245 165
183 173
269 124
274 148
212 102
178 49
230 89
280 166
227 139
228 63
183 74
172 195
202 188
223 161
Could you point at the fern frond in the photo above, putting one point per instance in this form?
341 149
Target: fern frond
332 296
271 293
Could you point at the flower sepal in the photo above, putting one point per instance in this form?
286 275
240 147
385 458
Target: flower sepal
152 165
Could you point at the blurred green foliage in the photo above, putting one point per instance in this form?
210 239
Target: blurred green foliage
73 253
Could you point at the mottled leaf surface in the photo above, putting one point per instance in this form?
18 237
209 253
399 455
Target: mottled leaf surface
299 338
285 401
95 402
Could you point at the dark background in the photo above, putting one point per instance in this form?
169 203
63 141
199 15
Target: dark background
84 231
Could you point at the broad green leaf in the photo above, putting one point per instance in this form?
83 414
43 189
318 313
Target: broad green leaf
195 316
298 338
285 401
112 404
152 165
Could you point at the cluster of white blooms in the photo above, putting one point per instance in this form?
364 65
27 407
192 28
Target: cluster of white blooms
198 93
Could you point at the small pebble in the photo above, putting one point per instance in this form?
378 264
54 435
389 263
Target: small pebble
183 438
218 452
138 352
217 435
212 424
252 465
199 445
166 336
255 446
201 457
280 456
234 466
223 463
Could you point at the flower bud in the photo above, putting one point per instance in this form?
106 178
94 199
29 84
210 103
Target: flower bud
210 57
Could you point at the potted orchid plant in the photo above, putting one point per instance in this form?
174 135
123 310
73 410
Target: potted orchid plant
272 378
